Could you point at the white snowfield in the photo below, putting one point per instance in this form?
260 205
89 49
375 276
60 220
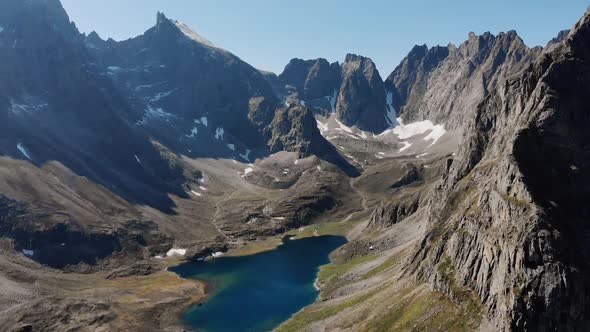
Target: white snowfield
28 252
176 252
418 128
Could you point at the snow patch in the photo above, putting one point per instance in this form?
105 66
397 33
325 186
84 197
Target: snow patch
1 29
437 132
202 188
194 133
23 150
30 107
405 147
246 155
421 155
196 193
322 126
155 113
204 121
161 95
29 253
137 158
231 147
303 103
176 252
343 127
248 170
333 100
219 134
418 128
188 32
217 254
279 218
391 115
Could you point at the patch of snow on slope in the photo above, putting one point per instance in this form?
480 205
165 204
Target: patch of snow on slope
405 147
196 193
176 252
333 98
391 115
1 29
156 113
137 158
161 95
246 155
248 171
344 127
219 134
303 103
231 147
194 133
437 132
323 127
217 254
28 252
23 150
30 107
418 128
187 31
204 121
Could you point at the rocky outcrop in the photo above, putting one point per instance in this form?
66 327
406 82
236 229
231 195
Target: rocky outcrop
388 214
445 84
361 100
295 129
309 80
353 90
508 221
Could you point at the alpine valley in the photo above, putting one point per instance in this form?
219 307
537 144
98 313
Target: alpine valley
461 180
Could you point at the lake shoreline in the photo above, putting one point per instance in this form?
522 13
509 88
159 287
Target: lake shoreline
233 281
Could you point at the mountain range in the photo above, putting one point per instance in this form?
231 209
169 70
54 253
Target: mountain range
461 179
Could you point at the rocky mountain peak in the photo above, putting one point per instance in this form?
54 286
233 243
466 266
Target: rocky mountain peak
31 19
180 29
361 101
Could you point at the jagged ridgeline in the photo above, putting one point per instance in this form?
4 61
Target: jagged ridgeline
461 179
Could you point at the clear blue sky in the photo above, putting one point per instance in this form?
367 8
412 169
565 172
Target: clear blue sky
268 33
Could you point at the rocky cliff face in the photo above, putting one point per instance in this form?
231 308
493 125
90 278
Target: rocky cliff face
189 94
56 104
354 91
361 100
444 84
311 79
508 220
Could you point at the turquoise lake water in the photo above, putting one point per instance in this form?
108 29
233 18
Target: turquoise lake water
258 292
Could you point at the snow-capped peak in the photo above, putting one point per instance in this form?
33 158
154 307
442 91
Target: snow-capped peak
187 31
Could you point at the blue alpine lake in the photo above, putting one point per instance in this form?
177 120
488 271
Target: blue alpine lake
258 292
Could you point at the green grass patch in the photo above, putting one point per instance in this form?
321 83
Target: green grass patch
390 262
318 312
425 312
333 270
